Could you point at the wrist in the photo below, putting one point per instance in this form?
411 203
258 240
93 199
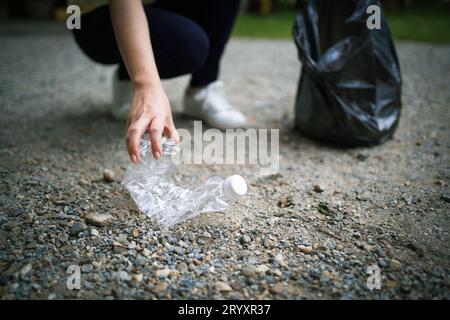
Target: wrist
145 84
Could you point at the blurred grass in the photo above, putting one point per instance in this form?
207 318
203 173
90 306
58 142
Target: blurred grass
427 24
276 25
420 24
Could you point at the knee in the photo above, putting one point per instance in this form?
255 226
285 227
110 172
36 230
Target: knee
181 46
195 48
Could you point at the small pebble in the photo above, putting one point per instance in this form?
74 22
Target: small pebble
87 268
25 270
163 273
160 287
121 276
182 267
279 258
305 249
76 228
261 269
108 175
98 220
246 239
318 188
248 271
222 286
277 288
361 157
137 277
395 265
446 197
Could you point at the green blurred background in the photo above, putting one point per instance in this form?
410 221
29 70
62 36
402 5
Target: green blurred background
415 20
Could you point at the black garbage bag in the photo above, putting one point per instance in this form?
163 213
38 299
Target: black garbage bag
350 88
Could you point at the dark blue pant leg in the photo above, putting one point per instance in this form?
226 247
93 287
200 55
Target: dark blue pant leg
180 45
217 18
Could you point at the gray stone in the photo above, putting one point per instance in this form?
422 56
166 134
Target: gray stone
182 267
395 265
446 196
246 239
87 268
140 261
108 175
248 271
98 220
222 286
121 276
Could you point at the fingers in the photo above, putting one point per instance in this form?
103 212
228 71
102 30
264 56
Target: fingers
171 132
156 130
134 134
138 129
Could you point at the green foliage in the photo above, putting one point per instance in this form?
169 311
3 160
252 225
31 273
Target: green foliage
420 24
427 24
276 25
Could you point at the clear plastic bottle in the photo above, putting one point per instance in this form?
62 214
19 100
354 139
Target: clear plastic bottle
150 187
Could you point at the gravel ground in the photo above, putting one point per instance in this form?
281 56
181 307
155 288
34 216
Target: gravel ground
310 231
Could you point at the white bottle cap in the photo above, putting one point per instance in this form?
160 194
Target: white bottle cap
235 186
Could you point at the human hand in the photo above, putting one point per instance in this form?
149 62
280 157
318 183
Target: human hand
150 111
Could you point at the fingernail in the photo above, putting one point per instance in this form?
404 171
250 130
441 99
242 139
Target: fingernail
133 158
157 155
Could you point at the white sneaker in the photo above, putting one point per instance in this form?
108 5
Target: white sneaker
209 104
122 95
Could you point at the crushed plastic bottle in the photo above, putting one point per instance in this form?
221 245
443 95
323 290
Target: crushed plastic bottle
151 189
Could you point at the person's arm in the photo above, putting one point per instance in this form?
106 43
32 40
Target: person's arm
150 108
